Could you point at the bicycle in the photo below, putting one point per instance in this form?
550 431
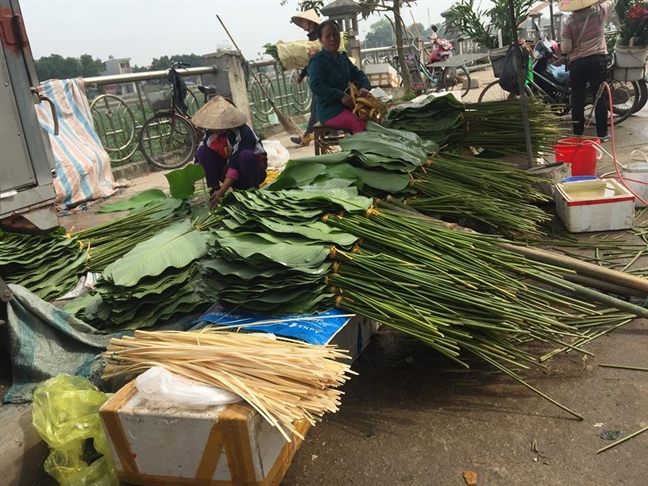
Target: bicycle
542 85
168 139
438 76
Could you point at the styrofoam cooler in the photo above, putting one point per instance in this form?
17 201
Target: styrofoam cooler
635 175
598 205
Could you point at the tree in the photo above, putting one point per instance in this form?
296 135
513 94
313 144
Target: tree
58 67
380 34
164 62
90 67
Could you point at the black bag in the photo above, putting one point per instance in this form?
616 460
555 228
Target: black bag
508 80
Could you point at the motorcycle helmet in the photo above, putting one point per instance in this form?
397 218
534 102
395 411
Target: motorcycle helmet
554 46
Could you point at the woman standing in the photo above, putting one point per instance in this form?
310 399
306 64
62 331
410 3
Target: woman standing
230 152
331 72
309 21
583 39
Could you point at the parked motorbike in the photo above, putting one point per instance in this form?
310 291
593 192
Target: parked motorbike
442 48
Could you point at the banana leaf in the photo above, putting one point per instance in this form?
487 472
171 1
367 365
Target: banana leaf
388 182
297 174
177 246
138 201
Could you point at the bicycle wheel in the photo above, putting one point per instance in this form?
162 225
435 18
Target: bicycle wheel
494 92
643 95
115 124
639 102
167 141
456 78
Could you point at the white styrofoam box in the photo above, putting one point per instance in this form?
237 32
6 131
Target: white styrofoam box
635 176
597 205
382 75
383 68
216 446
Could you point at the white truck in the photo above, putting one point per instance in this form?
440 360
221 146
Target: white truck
26 162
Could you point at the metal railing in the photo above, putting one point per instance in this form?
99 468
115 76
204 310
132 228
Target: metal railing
120 104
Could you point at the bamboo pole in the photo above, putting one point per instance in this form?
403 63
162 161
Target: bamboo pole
583 268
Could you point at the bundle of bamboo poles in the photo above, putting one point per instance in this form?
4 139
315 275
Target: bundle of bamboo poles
284 380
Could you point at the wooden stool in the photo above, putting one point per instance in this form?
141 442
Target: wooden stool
327 136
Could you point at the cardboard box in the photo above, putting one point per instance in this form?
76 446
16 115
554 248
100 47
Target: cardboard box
218 446
595 205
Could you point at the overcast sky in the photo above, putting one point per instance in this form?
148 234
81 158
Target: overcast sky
144 29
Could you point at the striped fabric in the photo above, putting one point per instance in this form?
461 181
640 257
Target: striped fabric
83 170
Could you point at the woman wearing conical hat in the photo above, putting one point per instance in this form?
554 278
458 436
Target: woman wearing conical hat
309 21
230 152
583 40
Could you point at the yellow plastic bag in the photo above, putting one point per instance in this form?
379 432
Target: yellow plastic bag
65 413
295 55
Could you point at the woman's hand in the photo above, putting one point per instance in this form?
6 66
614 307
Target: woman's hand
364 93
214 199
347 101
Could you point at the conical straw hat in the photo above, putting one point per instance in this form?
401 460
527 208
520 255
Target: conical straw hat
307 15
218 114
573 5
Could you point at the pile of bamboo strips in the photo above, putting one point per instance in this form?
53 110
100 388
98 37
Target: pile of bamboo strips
284 380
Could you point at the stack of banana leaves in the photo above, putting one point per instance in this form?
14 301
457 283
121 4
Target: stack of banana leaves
461 293
51 265
399 163
47 265
152 283
494 125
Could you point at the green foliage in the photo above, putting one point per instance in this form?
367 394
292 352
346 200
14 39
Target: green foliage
164 62
58 67
482 25
380 34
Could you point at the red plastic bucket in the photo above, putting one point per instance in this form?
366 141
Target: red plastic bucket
581 153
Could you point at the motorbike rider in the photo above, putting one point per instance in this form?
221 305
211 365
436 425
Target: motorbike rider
583 40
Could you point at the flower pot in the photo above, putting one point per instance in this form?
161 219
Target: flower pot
630 57
497 57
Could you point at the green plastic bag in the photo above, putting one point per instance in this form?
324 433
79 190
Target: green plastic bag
65 413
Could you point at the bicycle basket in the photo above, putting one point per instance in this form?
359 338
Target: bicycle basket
159 100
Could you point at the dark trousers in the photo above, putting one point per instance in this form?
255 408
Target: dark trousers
252 172
312 119
594 70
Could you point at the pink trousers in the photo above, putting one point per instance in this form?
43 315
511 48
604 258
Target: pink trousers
346 121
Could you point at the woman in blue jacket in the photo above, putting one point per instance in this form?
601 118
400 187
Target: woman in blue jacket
331 72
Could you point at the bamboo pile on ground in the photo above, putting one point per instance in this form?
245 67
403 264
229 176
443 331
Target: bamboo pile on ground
385 161
494 125
458 292
286 381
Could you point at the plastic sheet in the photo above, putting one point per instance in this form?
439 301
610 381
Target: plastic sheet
66 415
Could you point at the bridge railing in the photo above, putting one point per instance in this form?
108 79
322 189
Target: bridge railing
120 104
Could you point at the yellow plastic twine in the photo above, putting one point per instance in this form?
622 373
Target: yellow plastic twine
369 109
